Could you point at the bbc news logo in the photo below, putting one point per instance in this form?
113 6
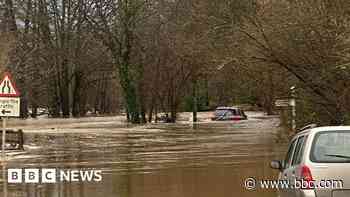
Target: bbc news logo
35 175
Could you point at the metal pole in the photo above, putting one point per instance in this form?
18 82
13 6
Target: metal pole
294 114
3 138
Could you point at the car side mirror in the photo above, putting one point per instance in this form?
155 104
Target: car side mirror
277 165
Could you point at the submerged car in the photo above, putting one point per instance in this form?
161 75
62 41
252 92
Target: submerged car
317 163
229 113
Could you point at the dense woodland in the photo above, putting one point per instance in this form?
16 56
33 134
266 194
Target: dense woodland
142 57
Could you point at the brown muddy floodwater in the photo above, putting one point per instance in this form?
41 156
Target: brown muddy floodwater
159 160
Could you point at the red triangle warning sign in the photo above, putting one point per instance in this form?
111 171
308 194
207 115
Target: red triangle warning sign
7 87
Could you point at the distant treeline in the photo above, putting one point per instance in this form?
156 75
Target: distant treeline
149 56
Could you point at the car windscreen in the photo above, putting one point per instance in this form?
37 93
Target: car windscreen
331 147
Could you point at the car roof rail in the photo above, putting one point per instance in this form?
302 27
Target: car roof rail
309 126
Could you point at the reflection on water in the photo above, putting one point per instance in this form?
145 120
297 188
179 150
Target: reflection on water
155 160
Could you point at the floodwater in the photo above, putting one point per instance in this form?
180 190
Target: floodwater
210 159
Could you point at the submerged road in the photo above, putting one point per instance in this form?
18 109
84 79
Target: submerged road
210 159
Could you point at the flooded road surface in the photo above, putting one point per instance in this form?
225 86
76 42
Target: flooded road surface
211 159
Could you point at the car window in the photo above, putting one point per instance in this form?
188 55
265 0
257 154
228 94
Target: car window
289 155
299 150
331 147
220 112
227 112
302 151
233 112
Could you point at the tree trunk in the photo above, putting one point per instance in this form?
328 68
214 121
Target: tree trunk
24 102
9 22
194 100
269 94
339 117
132 105
150 112
156 113
130 95
207 102
54 101
34 111
64 90
142 110
76 108
173 112
104 100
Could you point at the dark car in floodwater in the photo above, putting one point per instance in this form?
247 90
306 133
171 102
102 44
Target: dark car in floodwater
229 113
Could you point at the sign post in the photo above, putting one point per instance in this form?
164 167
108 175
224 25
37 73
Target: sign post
3 138
9 106
282 103
289 104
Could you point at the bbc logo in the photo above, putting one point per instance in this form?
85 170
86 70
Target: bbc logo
46 175
31 175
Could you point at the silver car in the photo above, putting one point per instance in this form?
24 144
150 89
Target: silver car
317 164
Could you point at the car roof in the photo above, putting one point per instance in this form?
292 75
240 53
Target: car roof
331 128
325 128
227 108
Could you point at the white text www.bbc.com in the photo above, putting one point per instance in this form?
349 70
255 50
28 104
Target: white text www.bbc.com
253 184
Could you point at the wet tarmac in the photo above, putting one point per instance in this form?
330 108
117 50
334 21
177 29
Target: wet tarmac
210 159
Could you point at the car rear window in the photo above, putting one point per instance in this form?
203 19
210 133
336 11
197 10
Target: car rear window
288 159
331 147
299 150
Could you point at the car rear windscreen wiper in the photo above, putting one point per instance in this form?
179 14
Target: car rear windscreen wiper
339 156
